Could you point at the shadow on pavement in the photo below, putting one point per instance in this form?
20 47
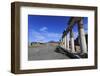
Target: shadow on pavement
71 55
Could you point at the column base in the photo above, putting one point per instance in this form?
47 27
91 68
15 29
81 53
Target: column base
74 52
84 55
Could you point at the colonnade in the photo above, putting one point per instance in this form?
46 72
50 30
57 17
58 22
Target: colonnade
64 42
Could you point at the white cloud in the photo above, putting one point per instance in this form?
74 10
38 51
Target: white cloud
44 36
43 29
37 36
55 35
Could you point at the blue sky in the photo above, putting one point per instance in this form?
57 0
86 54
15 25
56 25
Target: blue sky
49 28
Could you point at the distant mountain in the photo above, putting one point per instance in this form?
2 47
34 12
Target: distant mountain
53 42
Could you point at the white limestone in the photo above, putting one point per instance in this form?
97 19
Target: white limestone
72 42
83 45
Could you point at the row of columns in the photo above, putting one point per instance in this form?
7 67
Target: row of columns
65 41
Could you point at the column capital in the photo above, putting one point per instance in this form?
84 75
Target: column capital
80 23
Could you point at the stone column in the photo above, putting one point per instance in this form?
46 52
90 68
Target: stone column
82 37
65 42
61 42
72 41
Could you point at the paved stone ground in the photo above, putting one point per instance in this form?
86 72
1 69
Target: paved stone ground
45 52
